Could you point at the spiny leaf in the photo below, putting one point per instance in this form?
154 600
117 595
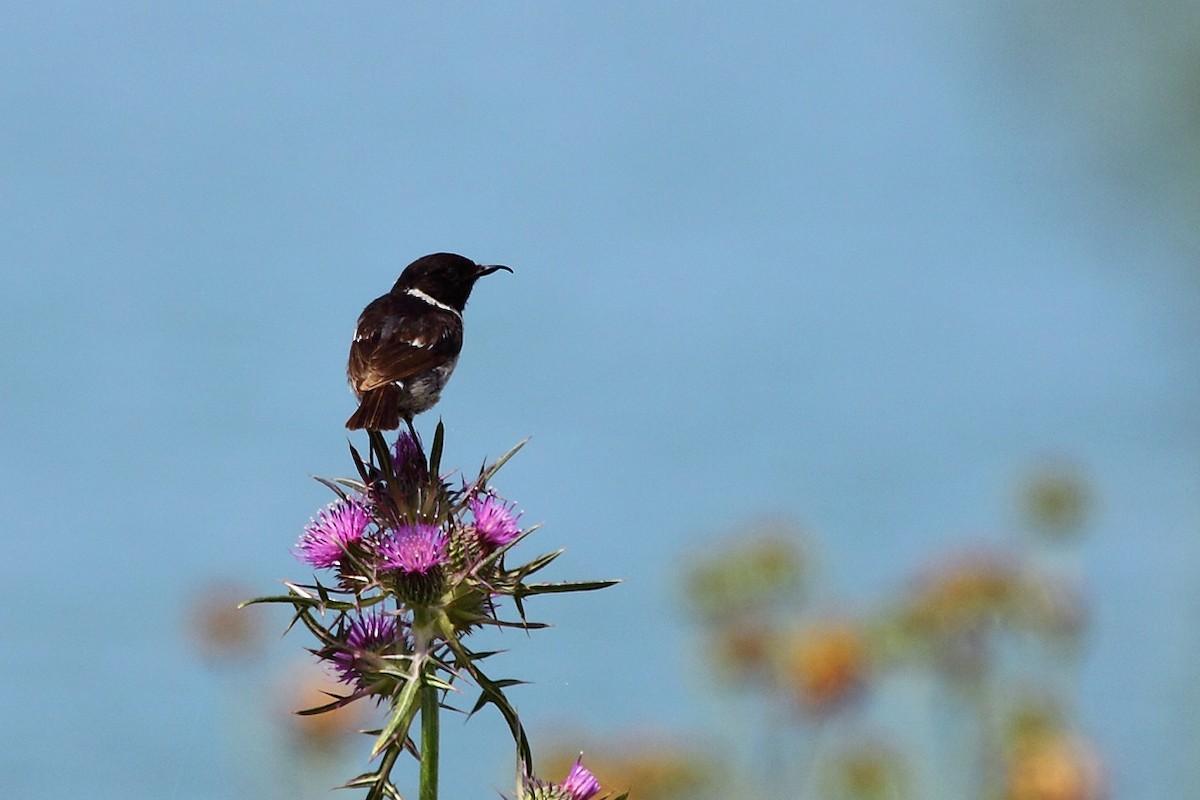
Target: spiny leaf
491 692
291 624
522 624
539 563
377 782
301 589
364 471
357 486
323 593
361 781
485 475
291 599
318 630
499 552
480 655
339 491
435 452
340 701
439 683
382 454
300 601
528 589
404 711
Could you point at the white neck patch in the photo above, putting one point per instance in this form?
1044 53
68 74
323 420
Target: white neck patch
417 293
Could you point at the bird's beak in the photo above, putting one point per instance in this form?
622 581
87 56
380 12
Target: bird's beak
490 269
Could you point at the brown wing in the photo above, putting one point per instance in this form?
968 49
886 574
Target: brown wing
399 336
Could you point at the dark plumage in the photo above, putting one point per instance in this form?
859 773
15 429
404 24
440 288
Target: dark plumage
407 341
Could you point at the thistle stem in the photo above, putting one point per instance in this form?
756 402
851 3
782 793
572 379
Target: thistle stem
422 644
429 738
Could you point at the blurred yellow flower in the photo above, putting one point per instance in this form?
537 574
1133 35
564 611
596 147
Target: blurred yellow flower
825 664
1055 768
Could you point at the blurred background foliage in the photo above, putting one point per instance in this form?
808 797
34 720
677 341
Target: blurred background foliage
981 648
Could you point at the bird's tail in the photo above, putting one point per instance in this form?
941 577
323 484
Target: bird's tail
378 410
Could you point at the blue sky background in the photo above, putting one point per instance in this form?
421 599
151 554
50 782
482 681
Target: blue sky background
829 261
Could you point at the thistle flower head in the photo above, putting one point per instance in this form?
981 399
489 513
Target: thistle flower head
494 520
337 525
367 635
408 460
405 449
416 548
580 784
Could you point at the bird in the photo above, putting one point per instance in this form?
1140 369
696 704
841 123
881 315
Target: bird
406 343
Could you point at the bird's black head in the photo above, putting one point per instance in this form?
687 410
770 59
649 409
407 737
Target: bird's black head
446 277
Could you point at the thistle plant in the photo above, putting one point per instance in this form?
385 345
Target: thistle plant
415 563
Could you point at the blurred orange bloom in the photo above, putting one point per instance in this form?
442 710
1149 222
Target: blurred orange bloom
1055 768
825 665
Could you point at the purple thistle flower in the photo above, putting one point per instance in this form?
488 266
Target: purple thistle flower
494 520
408 461
405 451
336 526
580 784
414 549
369 633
